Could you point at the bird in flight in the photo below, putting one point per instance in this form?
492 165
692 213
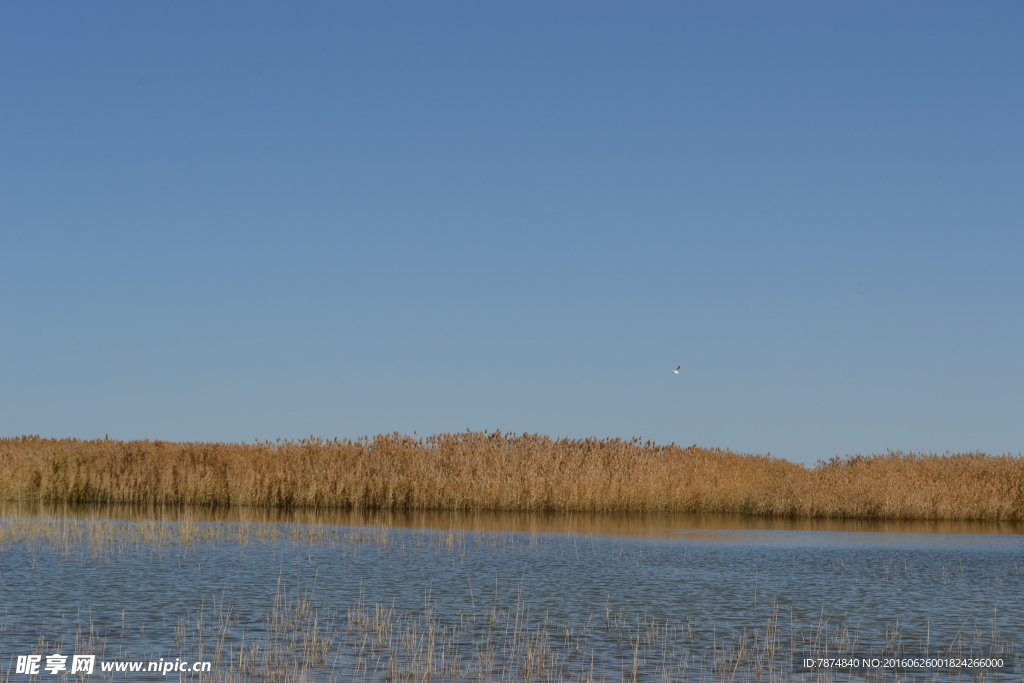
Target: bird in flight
676 371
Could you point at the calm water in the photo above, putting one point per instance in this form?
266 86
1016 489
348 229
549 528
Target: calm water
516 598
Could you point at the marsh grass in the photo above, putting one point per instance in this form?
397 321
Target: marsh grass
495 471
300 640
513 642
93 540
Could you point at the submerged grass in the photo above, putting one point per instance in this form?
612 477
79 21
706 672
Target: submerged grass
302 640
495 471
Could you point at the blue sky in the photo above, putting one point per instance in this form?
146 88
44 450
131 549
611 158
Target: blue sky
231 221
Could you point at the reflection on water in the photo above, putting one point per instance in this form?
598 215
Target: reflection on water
498 597
642 525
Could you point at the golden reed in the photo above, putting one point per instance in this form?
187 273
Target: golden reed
495 471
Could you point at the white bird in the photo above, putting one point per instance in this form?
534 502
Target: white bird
676 371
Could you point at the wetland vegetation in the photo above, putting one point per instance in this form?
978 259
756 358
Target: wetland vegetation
495 471
501 558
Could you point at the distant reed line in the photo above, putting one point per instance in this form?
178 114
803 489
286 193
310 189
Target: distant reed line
495 471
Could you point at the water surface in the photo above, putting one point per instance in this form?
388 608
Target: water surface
628 597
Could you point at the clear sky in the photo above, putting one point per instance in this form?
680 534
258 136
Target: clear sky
230 221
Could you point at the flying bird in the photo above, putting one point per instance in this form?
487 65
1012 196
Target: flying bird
676 371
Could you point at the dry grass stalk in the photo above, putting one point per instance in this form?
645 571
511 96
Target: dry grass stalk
495 471
301 640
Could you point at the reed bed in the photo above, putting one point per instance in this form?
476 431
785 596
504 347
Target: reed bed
509 472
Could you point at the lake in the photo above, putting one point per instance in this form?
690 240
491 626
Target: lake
266 596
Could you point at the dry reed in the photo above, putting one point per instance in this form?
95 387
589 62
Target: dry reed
495 471
301 640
